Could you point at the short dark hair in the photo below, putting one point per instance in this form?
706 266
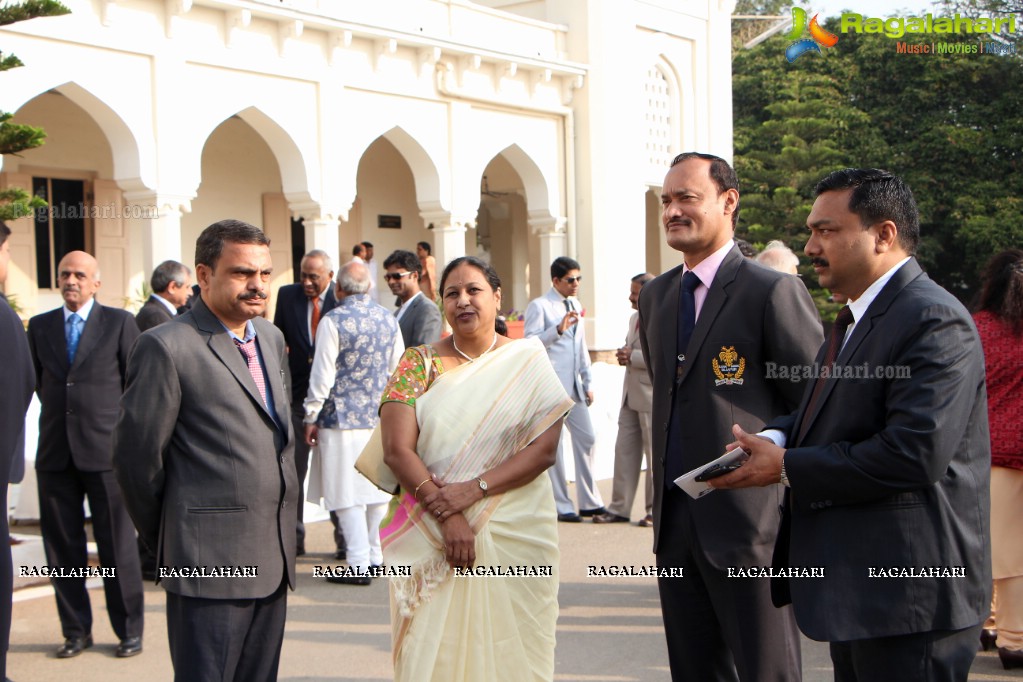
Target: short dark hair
165 273
358 248
1002 288
745 248
562 265
721 172
5 232
406 260
486 268
878 195
210 243
368 245
643 278
426 247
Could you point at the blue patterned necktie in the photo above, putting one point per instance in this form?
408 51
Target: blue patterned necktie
74 335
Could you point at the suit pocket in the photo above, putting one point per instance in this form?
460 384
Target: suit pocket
216 510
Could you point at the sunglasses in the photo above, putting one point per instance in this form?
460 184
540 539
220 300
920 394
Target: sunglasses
395 276
572 280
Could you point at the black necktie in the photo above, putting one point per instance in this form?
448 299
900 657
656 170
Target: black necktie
842 322
568 308
686 323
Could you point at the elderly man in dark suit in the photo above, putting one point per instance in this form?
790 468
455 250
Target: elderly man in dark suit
16 384
171 285
299 310
418 316
888 455
709 329
80 352
204 452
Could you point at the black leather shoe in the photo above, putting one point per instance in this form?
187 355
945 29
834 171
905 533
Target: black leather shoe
73 646
592 512
340 555
608 517
987 638
1010 659
570 518
300 550
129 646
349 579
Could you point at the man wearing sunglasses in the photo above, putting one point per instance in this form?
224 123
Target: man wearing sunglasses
418 316
554 318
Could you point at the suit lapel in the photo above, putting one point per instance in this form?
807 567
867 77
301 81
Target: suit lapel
273 372
668 317
91 333
56 337
712 305
223 346
877 308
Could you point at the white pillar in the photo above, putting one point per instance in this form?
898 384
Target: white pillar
157 218
449 235
321 232
551 232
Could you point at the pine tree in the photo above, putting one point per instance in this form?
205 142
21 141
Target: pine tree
16 137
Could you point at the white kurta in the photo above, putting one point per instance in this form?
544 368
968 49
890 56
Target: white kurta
332 474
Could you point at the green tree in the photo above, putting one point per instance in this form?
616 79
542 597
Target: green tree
16 137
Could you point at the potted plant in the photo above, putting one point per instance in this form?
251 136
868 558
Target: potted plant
516 322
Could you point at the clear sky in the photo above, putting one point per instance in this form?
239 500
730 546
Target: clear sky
869 8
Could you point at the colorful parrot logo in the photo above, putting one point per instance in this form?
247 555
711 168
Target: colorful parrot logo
819 36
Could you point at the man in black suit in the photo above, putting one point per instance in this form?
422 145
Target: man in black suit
708 329
16 384
418 317
80 352
299 309
203 451
888 455
171 287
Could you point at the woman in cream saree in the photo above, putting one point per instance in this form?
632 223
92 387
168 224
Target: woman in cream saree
470 455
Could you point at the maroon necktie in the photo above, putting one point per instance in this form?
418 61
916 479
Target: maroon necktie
842 322
248 350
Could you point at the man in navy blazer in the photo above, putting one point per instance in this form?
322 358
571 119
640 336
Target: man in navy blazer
886 461
80 352
16 384
418 317
298 312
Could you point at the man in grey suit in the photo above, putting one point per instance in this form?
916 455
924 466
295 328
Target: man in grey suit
554 319
204 453
172 286
633 443
418 316
709 329
888 457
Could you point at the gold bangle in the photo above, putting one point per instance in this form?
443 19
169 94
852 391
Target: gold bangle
415 495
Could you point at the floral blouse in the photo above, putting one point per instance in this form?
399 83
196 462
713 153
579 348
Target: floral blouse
411 379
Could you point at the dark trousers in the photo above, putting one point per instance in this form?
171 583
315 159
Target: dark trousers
942 656
62 521
719 628
6 580
226 640
302 466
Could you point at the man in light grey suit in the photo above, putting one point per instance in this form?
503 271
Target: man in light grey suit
418 316
203 451
554 319
633 442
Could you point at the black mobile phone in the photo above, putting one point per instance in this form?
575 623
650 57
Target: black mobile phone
715 471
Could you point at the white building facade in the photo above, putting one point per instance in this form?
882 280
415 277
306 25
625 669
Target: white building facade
520 131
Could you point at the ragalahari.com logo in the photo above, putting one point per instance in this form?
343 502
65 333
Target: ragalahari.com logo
818 36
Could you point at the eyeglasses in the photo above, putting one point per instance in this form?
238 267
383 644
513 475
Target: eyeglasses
572 280
395 276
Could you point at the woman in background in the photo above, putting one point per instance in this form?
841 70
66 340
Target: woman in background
1000 323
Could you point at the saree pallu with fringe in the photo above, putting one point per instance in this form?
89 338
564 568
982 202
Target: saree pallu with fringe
458 628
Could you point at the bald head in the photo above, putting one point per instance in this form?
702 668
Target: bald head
78 278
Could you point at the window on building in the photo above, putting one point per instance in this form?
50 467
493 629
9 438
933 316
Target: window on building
61 227
658 118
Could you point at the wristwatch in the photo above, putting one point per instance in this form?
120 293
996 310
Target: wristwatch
784 476
483 485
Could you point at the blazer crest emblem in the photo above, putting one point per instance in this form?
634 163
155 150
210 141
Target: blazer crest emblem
730 368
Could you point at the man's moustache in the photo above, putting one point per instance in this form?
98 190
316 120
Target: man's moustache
819 262
252 294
